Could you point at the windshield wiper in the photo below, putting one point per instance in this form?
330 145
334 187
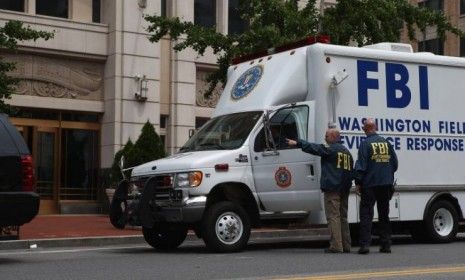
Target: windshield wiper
213 145
185 149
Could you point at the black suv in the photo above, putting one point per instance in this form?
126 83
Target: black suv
19 203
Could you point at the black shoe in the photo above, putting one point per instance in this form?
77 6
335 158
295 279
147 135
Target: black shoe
346 251
363 250
385 249
329 250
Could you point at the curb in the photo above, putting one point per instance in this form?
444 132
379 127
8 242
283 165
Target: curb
256 235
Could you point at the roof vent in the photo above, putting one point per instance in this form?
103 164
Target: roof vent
395 47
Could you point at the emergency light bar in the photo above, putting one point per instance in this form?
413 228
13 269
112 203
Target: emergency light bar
304 42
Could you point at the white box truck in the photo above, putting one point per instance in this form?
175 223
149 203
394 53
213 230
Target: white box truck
235 173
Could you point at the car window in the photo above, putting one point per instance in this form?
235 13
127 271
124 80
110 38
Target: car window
288 123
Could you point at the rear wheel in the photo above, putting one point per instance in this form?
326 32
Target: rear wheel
226 227
441 222
165 236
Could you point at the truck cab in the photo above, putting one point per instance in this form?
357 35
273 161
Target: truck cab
237 170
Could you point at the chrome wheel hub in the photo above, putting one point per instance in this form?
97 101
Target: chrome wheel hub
443 222
229 228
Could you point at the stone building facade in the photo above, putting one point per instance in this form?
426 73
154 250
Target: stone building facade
84 93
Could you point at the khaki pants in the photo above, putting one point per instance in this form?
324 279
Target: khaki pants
336 214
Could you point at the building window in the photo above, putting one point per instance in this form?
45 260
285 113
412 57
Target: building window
236 25
432 4
205 13
163 8
462 7
95 10
12 5
199 122
435 46
53 8
163 121
163 140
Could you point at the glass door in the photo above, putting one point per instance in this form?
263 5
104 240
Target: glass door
45 152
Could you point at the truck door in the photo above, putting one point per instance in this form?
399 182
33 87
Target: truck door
285 178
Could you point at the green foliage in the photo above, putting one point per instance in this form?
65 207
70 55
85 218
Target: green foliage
10 34
374 21
271 23
115 174
148 147
276 22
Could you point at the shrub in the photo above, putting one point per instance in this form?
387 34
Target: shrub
148 147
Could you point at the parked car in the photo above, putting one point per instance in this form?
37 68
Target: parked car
19 203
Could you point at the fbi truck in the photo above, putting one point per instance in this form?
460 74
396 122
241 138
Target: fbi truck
236 173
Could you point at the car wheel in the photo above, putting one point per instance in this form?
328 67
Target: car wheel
441 222
165 236
226 227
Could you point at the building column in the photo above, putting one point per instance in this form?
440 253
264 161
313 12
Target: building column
131 57
182 98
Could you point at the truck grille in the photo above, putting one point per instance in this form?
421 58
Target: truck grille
163 185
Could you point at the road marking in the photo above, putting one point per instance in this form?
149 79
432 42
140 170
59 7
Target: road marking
380 274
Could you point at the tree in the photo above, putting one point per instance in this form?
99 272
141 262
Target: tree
276 22
372 21
10 34
148 147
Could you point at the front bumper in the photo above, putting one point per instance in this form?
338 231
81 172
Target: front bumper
189 210
18 208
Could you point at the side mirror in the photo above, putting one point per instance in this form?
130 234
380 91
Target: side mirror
191 132
121 163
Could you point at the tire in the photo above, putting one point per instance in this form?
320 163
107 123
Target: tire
441 222
417 230
226 227
165 237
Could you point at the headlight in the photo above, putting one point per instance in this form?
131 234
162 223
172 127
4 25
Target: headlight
189 179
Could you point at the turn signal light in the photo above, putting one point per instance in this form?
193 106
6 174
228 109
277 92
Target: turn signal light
195 178
28 173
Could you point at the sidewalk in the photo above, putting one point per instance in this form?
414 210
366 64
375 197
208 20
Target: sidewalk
95 230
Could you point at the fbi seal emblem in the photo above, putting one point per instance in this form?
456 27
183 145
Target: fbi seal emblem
246 82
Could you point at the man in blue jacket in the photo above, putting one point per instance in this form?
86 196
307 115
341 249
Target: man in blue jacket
336 180
374 178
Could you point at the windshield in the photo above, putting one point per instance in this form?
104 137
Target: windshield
226 132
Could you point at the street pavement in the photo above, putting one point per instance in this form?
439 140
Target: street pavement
265 258
51 231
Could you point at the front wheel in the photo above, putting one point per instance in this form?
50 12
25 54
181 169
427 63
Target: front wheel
165 236
226 227
441 222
